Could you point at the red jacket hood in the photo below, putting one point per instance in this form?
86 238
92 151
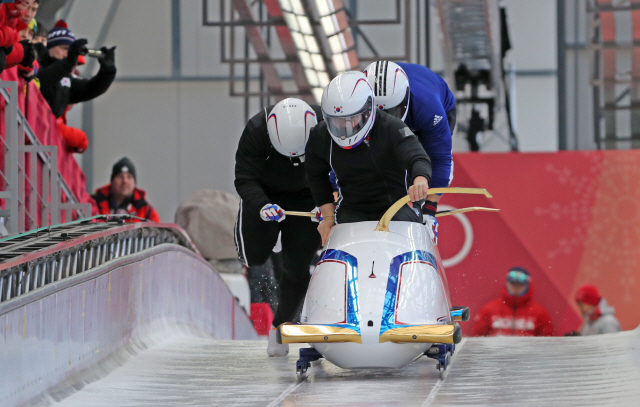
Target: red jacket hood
106 190
517 302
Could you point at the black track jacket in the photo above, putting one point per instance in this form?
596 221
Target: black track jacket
370 176
262 174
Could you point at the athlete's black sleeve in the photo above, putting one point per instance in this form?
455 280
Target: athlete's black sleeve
317 166
410 152
251 157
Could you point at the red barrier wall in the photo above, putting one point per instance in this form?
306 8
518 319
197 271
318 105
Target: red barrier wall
38 114
570 218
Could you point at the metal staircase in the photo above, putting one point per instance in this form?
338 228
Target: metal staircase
473 52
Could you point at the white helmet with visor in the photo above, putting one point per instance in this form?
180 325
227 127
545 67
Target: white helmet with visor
348 108
288 124
391 87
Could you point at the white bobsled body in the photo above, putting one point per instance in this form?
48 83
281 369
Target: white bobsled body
370 283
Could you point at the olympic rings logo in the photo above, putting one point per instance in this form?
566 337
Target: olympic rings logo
468 238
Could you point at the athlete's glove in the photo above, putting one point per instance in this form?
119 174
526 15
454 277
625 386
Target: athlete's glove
271 212
432 227
318 218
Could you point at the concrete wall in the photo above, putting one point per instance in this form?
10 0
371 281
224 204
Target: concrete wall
177 122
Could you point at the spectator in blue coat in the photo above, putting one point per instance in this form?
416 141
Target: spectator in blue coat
420 97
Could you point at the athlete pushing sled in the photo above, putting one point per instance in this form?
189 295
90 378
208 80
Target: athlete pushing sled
270 176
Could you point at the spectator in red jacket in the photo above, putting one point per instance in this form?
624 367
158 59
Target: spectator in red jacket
12 51
599 316
515 314
30 12
75 138
122 196
27 27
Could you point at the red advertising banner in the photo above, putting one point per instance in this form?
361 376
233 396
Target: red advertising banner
570 218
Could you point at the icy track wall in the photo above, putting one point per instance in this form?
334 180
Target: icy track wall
52 337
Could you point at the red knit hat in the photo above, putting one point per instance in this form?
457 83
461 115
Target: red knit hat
588 294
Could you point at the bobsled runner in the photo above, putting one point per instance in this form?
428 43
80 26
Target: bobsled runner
379 297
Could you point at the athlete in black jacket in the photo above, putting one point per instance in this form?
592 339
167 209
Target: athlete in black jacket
269 182
375 157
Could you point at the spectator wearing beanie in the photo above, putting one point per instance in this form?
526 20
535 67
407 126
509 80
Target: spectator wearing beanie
515 313
122 196
58 84
599 316
14 52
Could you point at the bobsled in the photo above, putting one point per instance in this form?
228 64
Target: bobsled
378 297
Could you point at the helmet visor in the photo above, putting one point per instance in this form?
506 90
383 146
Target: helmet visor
400 110
346 126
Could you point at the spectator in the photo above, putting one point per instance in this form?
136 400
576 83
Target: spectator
57 83
75 139
515 314
12 51
27 27
122 196
40 36
29 31
599 316
30 12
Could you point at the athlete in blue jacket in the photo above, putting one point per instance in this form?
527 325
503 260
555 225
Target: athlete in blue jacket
420 97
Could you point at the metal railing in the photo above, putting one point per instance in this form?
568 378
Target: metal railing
32 260
22 196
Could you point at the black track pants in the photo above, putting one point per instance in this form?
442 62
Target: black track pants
300 239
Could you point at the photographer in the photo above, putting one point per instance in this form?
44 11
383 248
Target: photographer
58 84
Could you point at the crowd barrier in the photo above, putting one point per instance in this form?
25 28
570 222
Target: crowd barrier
42 140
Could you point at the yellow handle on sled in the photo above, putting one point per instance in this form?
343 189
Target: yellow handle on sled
306 214
383 225
462 210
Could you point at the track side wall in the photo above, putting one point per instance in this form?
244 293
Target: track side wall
56 334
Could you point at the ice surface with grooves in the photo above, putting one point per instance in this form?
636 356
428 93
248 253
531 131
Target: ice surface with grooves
567 371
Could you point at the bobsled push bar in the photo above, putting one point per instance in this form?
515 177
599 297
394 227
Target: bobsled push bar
449 333
301 333
441 213
294 213
432 190
383 225
462 210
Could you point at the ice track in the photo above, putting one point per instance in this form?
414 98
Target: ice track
183 370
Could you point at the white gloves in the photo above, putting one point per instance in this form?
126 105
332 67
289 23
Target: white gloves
318 218
271 212
432 227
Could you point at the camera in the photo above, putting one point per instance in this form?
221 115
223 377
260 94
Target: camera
95 53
